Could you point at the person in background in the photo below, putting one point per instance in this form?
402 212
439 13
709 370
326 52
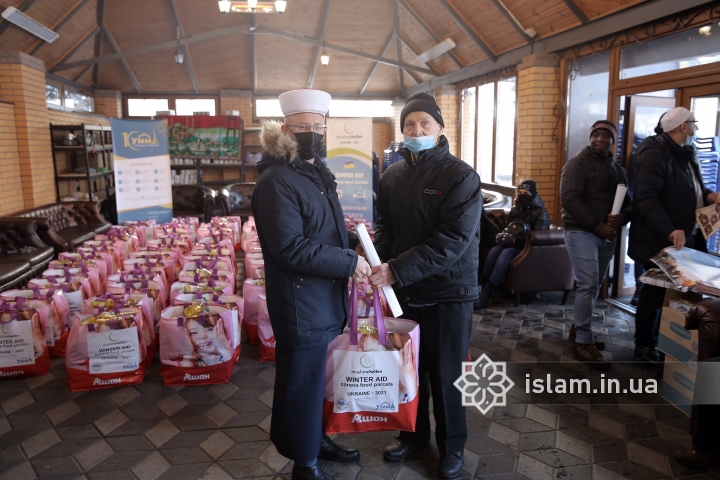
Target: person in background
427 235
668 190
587 191
308 260
529 209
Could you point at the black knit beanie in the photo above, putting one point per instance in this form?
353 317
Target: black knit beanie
528 185
421 102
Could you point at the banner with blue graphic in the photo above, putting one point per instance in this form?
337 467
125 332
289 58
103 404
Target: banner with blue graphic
349 157
142 170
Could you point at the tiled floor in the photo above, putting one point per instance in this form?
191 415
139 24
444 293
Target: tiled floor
149 431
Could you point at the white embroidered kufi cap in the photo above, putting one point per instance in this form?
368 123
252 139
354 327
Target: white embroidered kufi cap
674 118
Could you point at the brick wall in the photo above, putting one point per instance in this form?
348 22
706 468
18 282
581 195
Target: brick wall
108 103
382 136
537 150
398 106
11 188
22 81
447 99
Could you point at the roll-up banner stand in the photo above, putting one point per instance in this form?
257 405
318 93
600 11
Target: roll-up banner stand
142 170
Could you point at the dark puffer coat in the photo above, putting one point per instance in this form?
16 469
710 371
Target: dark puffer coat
305 245
428 226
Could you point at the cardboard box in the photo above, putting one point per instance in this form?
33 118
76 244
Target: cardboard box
678 385
674 339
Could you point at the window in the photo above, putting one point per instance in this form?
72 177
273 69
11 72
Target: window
490 110
139 106
587 100
683 50
270 107
59 96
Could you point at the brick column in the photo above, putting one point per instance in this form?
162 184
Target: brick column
109 103
22 81
398 106
241 100
537 148
447 99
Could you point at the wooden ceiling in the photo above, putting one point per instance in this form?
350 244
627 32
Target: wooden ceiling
481 29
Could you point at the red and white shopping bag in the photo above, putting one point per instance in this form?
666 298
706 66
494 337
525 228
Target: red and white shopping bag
105 350
57 325
252 289
371 376
23 348
196 344
265 332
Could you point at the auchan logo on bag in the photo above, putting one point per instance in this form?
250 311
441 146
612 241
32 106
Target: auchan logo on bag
367 418
12 374
188 377
110 381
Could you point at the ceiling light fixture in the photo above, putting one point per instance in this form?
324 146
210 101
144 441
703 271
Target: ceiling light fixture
252 5
324 58
179 54
224 6
280 6
13 15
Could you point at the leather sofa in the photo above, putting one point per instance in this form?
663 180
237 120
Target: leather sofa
66 225
22 254
236 199
196 201
543 265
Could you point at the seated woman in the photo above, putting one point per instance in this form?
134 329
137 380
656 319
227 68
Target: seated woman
529 209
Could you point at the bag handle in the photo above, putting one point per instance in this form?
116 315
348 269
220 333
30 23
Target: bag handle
379 318
353 315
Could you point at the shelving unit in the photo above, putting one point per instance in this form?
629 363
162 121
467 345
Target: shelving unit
251 141
96 156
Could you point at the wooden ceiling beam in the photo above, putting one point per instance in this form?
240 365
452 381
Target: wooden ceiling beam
415 51
98 39
115 47
23 7
81 43
60 23
512 20
82 72
321 37
374 67
393 14
243 28
462 23
261 29
186 50
576 10
428 30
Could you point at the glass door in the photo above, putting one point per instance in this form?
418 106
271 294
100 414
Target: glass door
639 115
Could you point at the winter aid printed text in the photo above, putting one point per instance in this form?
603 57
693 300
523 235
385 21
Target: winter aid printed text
366 381
113 351
16 344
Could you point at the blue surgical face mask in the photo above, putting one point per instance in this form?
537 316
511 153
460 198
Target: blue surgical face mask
418 144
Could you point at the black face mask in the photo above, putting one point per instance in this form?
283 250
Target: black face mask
309 144
525 200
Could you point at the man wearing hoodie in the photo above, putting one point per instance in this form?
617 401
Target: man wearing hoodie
427 233
668 190
587 191
308 261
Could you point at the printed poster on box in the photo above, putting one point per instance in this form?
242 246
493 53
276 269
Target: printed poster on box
142 170
349 157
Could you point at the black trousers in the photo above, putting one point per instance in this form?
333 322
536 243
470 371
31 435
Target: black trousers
647 315
705 418
296 424
444 340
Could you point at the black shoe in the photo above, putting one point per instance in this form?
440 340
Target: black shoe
647 354
400 450
635 298
330 450
308 473
451 465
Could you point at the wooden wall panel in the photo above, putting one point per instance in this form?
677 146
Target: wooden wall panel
409 57
547 17
111 75
600 8
422 41
385 78
158 72
139 23
284 64
499 34
445 26
87 51
44 11
223 63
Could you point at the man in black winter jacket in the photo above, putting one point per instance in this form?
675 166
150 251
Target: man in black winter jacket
668 190
587 191
308 260
427 234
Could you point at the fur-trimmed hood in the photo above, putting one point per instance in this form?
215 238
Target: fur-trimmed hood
275 143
